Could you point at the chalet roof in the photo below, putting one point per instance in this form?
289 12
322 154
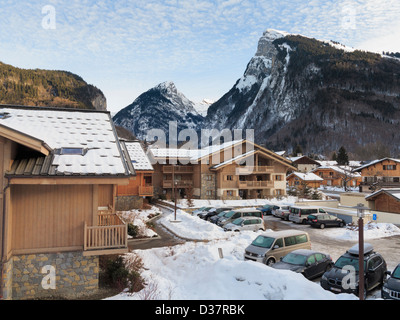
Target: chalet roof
393 192
345 170
303 160
376 162
81 142
195 155
306 176
137 156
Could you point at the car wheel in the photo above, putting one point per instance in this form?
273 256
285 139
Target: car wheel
322 226
341 225
270 262
304 221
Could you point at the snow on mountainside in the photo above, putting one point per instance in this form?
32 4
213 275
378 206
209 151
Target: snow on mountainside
203 106
155 108
318 94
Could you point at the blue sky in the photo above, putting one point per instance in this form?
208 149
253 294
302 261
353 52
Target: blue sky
127 47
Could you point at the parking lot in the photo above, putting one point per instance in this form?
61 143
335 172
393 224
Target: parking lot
389 247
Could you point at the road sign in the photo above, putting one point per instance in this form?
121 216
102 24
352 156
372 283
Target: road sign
374 217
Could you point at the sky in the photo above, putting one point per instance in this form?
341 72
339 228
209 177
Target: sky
125 48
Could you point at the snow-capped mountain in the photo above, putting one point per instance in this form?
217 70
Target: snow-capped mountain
317 94
155 108
203 106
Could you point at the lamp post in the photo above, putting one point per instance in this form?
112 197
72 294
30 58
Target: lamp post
361 214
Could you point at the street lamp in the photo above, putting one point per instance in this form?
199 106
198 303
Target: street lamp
361 214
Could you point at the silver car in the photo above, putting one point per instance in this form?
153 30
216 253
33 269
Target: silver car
246 223
283 212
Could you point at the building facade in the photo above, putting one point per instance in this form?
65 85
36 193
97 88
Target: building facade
59 172
234 170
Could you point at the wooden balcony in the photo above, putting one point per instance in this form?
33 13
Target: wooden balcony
177 169
146 191
254 170
168 184
110 236
255 184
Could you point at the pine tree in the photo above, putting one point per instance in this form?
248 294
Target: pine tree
342 157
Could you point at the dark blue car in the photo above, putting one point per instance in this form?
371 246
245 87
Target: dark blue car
267 209
391 286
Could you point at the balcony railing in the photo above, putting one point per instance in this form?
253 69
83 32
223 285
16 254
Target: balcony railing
110 236
256 184
178 184
254 169
178 169
145 191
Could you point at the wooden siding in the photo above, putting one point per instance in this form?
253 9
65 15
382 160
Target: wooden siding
50 216
386 203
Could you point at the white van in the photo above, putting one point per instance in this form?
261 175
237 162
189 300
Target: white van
299 214
234 214
271 246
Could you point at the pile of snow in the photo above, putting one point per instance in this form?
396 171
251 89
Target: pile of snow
191 227
372 231
139 218
198 203
195 271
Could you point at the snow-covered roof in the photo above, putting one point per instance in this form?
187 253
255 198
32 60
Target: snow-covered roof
191 154
394 192
307 176
81 142
138 157
375 162
345 170
234 159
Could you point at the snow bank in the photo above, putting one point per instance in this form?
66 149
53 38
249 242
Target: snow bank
194 271
372 231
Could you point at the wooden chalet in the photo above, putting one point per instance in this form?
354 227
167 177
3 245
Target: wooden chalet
141 183
59 172
300 180
335 176
234 170
382 173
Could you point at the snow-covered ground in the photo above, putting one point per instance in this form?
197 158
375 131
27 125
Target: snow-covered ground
195 270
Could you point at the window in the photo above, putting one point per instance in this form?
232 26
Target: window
311 259
229 193
278 178
72 151
301 238
279 243
209 177
319 257
290 241
389 167
229 178
209 193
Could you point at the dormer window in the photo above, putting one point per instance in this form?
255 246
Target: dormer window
4 115
72 151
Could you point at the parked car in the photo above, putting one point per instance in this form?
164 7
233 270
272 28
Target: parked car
271 246
267 209
206 215
246 224
282 212
311 264
391 286
321 220
222 214
299 214
201 210
229 217
337 279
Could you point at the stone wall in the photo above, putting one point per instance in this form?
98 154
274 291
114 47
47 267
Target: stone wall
126 203
208 185
6 290
59 275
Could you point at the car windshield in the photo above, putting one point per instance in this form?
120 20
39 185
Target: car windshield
221 214
229 214
295 258
312 217
343 262
263 242
396 273
238 222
